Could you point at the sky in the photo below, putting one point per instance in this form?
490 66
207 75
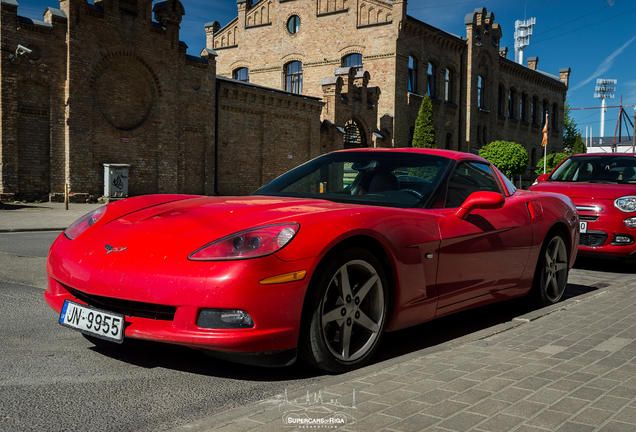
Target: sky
594 38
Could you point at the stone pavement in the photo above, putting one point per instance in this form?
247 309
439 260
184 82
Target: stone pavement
569 367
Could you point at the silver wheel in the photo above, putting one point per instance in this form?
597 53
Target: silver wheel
353 310
552 270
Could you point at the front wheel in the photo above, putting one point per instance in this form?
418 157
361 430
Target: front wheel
551 274
347 312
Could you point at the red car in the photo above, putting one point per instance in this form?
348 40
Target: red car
319 263
603 188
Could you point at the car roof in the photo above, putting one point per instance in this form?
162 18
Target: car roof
604 155
450 154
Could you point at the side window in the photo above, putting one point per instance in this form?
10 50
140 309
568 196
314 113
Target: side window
469 177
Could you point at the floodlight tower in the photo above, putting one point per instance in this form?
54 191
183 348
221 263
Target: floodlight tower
523 30
604 90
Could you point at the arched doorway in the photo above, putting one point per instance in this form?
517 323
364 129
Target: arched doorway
354 135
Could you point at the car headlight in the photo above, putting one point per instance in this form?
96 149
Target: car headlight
626 203
83 223
253 243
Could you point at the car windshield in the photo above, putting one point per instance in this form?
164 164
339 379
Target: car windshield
371 178
597 169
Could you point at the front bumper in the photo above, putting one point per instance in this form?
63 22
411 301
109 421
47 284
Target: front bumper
183 290
604 228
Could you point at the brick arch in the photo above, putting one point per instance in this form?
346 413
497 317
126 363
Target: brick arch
109 58
357 133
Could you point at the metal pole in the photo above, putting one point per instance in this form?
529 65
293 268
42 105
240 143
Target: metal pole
66 195
603 109
634 133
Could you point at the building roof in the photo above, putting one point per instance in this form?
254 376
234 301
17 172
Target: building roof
268 89
436 30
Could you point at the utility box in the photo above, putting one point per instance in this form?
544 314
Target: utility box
115 181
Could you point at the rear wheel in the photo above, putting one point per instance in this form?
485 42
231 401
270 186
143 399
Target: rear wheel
551 274
348 309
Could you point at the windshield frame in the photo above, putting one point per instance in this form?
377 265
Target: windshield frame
596 168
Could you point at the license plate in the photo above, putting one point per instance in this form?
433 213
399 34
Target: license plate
95 322
582 227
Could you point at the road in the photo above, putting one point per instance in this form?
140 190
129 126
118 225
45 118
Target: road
52 379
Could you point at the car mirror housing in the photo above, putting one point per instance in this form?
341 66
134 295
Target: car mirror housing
480 200
541 178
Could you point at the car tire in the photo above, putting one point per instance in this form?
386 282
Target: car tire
551 274
346 311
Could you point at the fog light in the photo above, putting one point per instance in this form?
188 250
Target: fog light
224 319
623 239
630 222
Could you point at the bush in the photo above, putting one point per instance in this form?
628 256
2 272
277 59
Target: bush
511 158
553 160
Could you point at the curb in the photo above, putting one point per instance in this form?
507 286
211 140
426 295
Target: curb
23 230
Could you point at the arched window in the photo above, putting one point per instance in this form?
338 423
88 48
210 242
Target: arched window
353 60
500 101
294 77
431 74
412 77
449 139
511 104
448 86
544 113
478 134
534 113
241 74
554 116
484 138
533 160
354 135
523 102
481 97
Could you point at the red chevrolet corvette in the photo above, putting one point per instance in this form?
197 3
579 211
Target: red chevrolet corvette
603 187
319 263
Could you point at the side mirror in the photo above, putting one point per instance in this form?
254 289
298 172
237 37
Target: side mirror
480 200
541 178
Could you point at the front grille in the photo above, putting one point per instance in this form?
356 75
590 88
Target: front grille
588 218
126 307
592 239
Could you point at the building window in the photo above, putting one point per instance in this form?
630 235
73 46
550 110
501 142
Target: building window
293 24
484 137
354 135
412 78
294 77
241 74
448 86
481 98
478 134
534 111
511 104
500 108
544 113
533 160
522 107
554 116
449 139
354 61
432 71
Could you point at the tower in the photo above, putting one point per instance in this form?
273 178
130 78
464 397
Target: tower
604 90
523 31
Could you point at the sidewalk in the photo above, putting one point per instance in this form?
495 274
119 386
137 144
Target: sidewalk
569 367
17 217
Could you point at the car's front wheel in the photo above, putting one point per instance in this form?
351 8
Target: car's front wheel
551 274
347 312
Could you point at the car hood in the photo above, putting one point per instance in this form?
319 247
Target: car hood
586 190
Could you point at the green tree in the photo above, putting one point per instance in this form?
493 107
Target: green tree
424 133
579 145
511 158
553 160
570 130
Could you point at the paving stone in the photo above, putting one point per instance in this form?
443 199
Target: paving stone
489 407
415 423
495 384
396 397
434 396
548 419
499 423
569 405
575 427
444 409
587 393
376 421
471 396
614 426
462 421
404 409
592 416
525 409
511 394
547 396
611 403
626 415
240 426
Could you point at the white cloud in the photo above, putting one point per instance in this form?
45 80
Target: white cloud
604 66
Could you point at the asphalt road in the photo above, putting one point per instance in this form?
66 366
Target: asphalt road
52 378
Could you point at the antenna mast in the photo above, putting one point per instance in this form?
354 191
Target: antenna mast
604 90
523 30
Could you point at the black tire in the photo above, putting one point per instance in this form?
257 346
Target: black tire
345 321
551 274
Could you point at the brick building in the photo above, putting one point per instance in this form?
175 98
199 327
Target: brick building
478 94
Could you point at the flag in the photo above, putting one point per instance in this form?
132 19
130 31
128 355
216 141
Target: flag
544 142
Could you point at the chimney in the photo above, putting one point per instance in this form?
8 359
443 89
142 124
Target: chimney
503 52
564 75
533 62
